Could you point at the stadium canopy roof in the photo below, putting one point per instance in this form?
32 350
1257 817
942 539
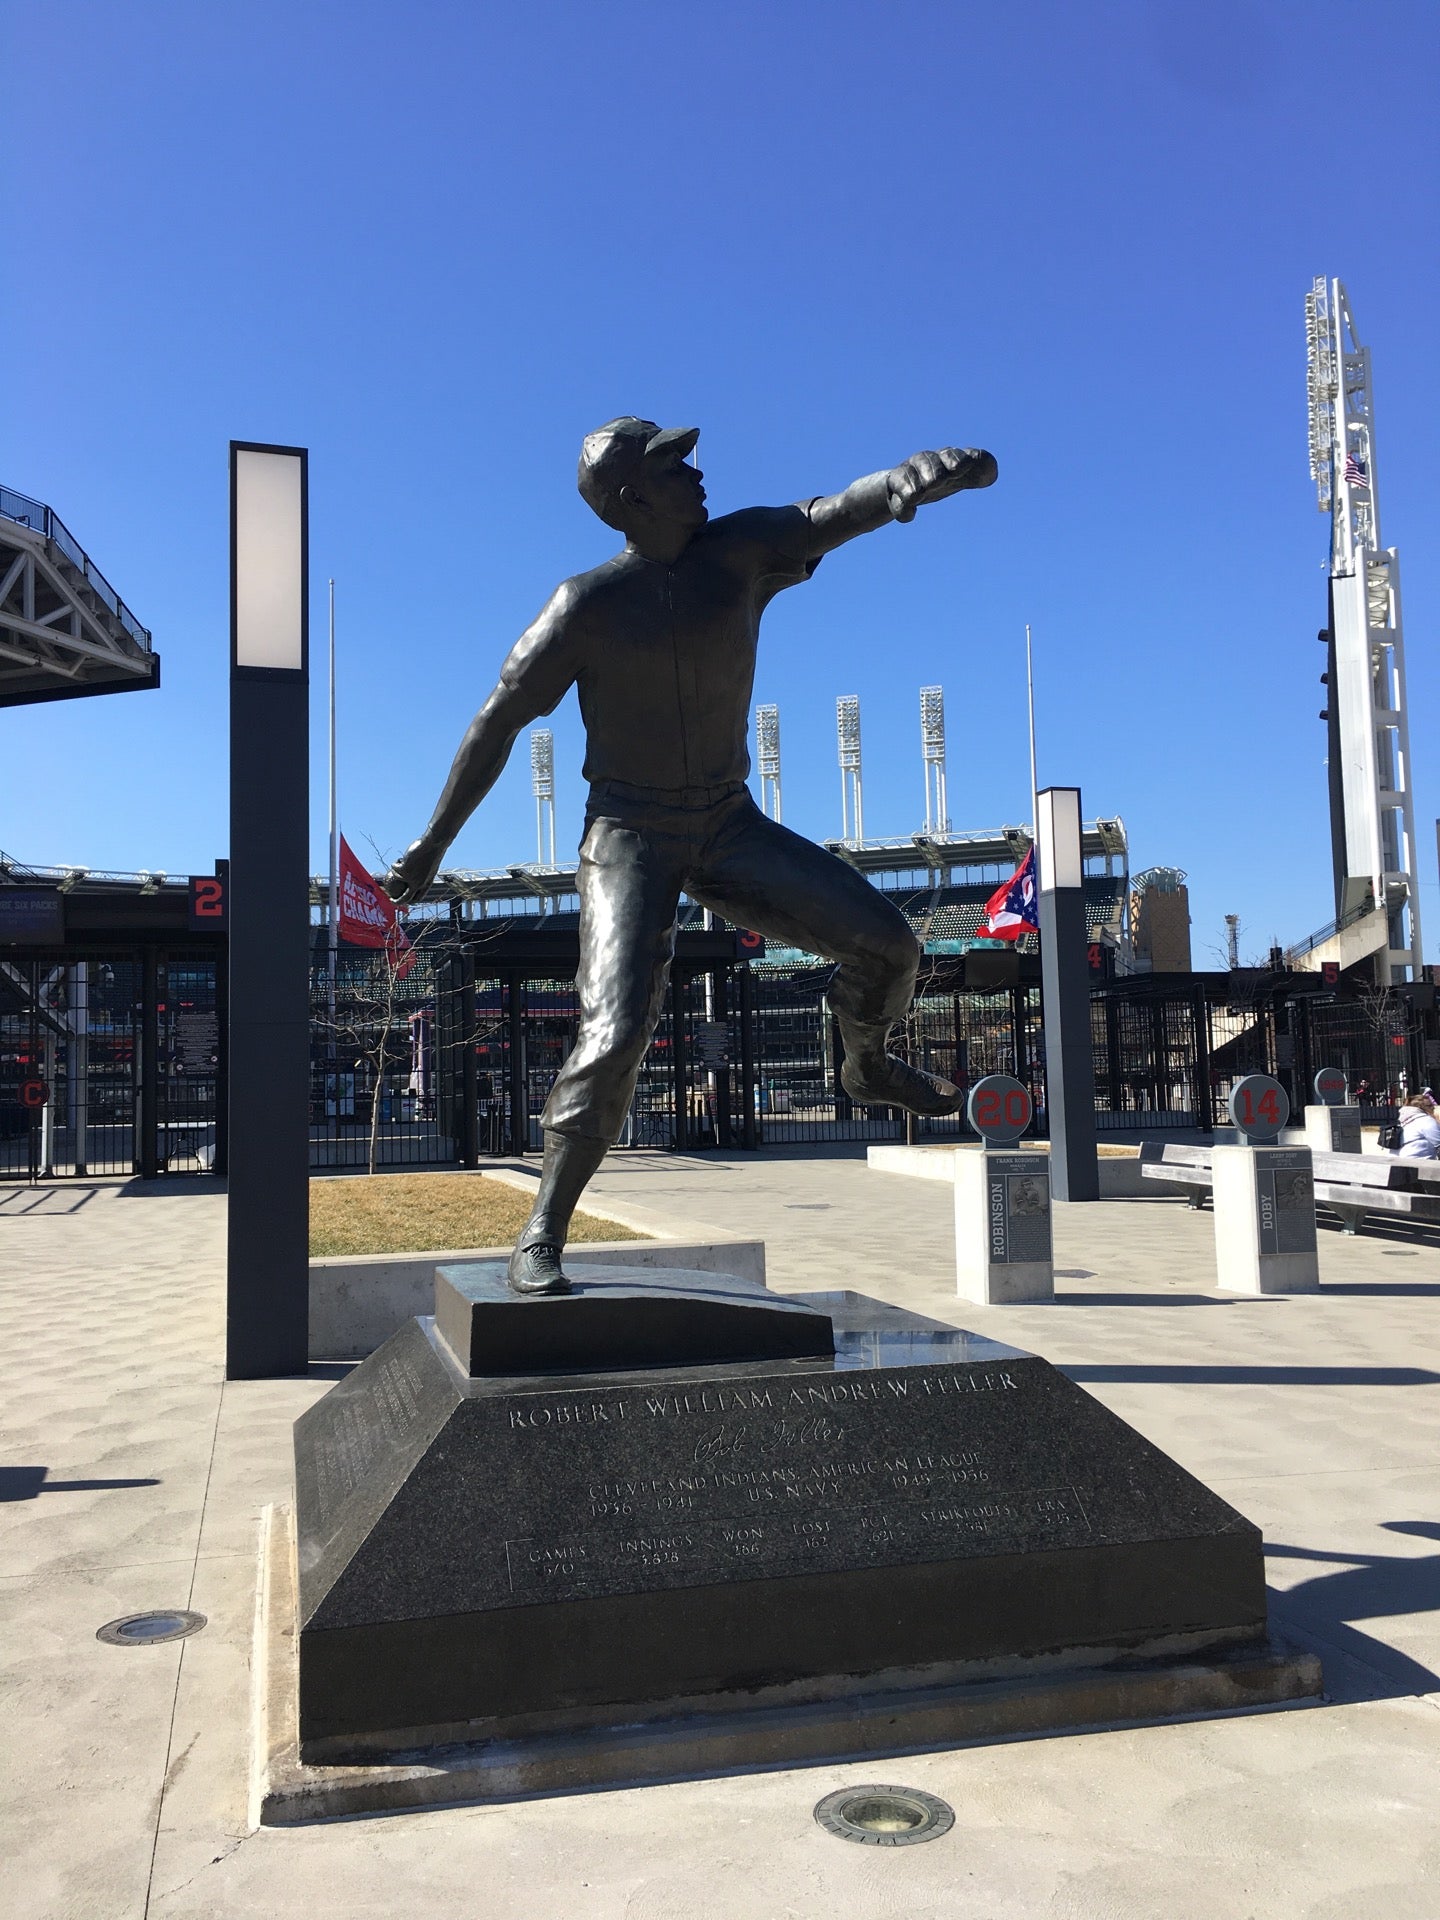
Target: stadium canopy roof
989 847
940 855
64 631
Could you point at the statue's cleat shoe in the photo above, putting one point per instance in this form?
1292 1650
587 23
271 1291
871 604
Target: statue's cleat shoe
891 1082
537 1269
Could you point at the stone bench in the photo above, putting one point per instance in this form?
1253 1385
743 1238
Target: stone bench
1350 1184
1188 1168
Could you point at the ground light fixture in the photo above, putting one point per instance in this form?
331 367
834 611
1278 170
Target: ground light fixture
884 1816
146 1629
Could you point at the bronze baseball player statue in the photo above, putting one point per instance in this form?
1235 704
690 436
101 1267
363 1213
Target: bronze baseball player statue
660 642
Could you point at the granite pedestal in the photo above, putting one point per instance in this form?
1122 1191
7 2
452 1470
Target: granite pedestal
1264 1201
548 1556
1003 1250
619 1317
1332 1129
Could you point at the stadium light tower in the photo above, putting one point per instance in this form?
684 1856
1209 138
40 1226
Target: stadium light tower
1372 807
767 740
542 784
932 745
847 727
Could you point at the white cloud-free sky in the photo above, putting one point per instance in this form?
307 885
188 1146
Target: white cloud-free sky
438 242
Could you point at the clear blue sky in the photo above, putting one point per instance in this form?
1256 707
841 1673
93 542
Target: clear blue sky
437 243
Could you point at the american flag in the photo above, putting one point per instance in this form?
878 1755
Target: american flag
1356 473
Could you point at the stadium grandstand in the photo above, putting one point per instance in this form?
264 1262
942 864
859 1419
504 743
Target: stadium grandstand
940 881
112 1021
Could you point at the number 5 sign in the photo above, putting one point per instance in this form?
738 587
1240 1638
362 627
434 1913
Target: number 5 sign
1259 1108
999 1109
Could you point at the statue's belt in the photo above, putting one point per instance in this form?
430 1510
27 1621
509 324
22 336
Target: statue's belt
683 799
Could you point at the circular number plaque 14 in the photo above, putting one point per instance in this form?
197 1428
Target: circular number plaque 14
999 1109
1259 1107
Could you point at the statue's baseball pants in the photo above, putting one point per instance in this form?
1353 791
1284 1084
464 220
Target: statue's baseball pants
636 859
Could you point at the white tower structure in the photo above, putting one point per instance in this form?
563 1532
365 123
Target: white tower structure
542 785
767 741
932 746
847 727
1372 806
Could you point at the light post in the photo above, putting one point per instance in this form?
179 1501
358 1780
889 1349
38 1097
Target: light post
1065 976
268 1271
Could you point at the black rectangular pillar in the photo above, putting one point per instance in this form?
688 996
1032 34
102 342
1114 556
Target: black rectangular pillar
268 1055
1065 974
219 1165
750 1123
147 1104
469 1083
1204 1093
519 1102
679 1058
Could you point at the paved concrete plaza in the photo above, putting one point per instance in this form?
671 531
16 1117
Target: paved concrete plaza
125 1769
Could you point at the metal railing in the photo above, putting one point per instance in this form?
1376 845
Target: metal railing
1330 929
34 514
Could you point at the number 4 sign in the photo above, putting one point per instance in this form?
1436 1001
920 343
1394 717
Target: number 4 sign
1259 1107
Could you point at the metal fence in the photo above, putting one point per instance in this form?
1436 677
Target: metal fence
108 1064
452 1063
758 1057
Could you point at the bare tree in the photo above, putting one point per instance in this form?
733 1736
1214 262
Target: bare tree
1392 1018
369 1015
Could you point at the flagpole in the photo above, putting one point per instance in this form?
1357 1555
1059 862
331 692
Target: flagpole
1034 784
334 834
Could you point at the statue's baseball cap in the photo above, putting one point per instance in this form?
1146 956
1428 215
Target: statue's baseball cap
612 457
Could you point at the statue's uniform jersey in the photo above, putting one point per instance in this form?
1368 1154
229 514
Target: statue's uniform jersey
664 656
664 660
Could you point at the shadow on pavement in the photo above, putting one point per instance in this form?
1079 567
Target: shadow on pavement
1381 1288
17 1201
1177 1299
27 1483
1370 1586
1259 1376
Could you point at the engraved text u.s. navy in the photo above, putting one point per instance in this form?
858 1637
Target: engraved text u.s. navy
681 1485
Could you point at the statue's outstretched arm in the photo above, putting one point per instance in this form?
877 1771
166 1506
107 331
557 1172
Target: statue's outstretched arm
533 680
895 495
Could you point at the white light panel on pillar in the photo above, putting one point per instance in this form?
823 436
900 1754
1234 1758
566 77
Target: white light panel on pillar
1061 864
268 504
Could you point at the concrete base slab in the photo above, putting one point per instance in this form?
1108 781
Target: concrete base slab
356 1303
286 1792
1120 1177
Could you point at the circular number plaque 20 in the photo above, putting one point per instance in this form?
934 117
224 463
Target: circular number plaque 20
999 1109
1259 1108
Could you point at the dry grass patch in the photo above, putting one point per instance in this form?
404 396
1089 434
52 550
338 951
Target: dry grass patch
428 1213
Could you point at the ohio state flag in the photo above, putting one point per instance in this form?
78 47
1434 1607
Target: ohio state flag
367 913
1013 908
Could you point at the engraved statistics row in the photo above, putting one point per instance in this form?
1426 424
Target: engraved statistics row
617 1548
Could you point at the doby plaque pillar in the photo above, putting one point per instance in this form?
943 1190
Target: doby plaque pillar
1331 1125
1003 1251
1264 1199
1065 985
268 1283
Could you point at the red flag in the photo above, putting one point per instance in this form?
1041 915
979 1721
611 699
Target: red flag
367 913
1013 909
